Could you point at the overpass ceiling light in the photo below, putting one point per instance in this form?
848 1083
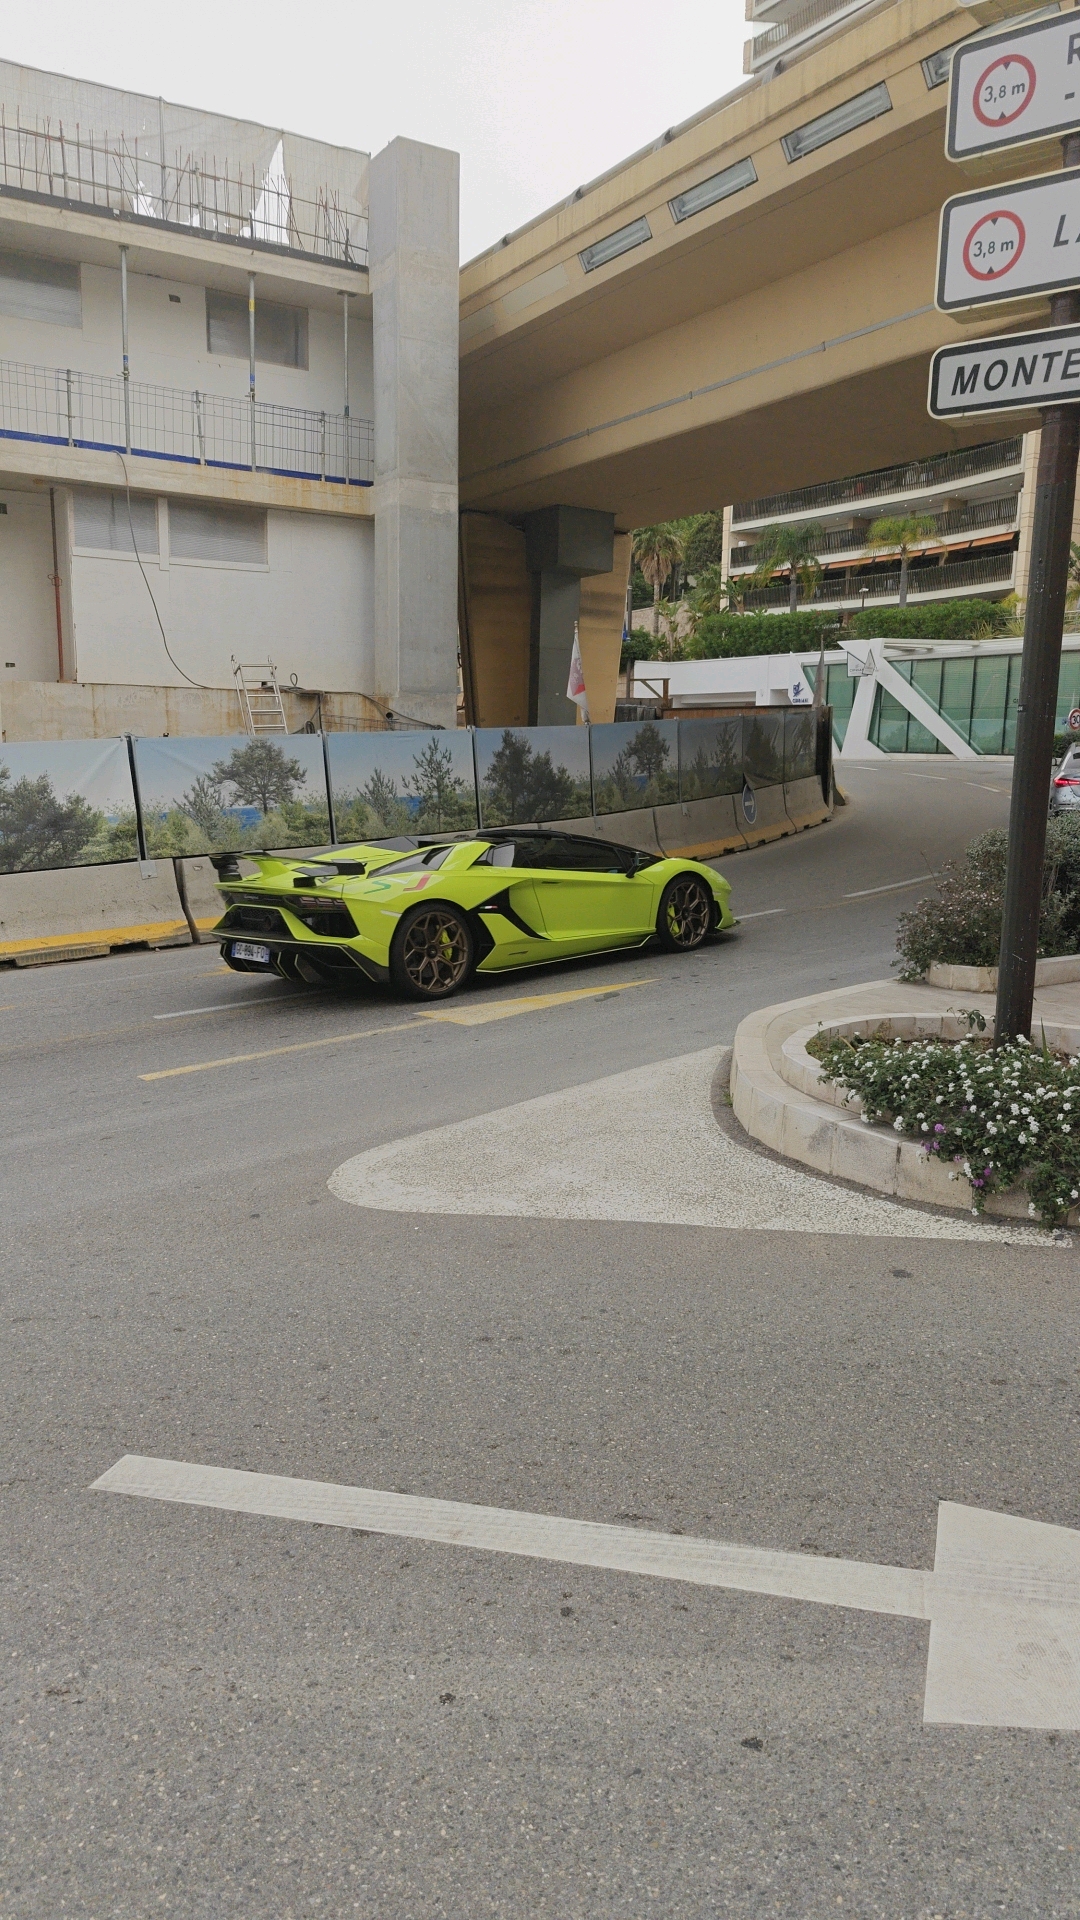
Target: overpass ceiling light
623 240
708 192
838 121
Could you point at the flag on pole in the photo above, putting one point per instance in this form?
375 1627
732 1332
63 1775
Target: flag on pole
575 686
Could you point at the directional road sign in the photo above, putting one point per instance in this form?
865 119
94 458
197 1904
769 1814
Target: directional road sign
1013 373
1011 242
1011 87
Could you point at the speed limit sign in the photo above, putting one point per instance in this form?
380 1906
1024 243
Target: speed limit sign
1074 720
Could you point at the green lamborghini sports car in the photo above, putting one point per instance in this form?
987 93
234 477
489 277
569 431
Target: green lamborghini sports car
427 912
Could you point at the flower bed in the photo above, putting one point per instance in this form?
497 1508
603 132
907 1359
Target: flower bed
1007 1118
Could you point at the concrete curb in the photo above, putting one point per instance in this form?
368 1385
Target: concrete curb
1063 968
779 1098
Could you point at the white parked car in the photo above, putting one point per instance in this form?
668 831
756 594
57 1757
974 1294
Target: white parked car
1065 782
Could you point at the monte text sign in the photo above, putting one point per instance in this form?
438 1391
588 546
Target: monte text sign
1011 242
1015 372
1018 85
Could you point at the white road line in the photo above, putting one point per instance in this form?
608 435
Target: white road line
233 1006
891 886
1004 1596
762 913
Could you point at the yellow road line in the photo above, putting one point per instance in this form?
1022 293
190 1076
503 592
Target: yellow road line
464 1015
269 1053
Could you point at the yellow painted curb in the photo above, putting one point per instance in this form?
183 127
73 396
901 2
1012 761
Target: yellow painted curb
101 936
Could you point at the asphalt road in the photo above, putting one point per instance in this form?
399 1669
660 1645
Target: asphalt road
214 1715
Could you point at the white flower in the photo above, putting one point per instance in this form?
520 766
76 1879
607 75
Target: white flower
898 1126
1031 1208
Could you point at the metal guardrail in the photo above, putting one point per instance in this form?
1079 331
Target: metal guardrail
885 482
982 513
813 17
78 169
923 583
61 406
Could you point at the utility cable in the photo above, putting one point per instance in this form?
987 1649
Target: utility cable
201 685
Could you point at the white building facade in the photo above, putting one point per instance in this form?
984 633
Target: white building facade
228 406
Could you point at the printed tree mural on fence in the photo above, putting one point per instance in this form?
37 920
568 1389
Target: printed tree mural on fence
522 785
38 829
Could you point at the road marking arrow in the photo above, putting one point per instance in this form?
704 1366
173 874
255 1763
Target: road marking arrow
1003 1600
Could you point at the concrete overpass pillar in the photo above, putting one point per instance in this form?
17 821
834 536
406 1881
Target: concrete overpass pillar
561 545
413 266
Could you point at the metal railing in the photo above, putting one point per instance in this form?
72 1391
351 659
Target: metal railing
884 482
814 17
79 169
63 407
923 583
982 513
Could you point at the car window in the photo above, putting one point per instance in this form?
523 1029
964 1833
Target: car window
420 862
586 856
498 856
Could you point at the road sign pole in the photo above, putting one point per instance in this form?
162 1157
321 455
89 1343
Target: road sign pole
1055 489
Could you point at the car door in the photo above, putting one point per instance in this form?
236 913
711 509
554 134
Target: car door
588 896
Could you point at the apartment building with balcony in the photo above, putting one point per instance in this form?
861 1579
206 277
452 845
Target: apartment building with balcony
228 412
976 544
781 29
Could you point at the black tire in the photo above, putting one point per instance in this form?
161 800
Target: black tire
686 914
433 952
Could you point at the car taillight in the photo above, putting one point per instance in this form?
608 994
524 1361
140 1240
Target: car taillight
1066 780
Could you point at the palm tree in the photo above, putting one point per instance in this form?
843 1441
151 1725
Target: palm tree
900 532
794 548
657 551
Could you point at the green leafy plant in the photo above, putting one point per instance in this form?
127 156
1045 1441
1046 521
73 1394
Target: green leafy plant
942 620
724 636
960 924
898 533
790 549
1010 1118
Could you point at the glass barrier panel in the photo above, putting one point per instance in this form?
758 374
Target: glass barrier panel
988 706
65 803
710 757
532 774
957 688
1068 688
634 764
888 727
1010 710
232 793
840 696
412 782
763 749
800 744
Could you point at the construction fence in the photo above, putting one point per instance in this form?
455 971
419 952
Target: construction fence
695 784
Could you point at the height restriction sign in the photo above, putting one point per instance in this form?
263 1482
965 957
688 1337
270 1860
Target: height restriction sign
1009 243
1014 86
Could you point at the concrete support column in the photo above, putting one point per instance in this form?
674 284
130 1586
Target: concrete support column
561 545
413 263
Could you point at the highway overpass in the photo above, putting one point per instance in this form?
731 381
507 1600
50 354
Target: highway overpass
744 306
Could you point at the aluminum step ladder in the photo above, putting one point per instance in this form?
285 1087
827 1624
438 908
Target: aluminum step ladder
260 697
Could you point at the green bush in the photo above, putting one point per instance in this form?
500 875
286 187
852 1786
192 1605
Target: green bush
947 620
960 925
1005 1118
727 636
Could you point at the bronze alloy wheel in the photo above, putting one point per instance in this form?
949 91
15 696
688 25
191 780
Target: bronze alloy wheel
686 913
433 952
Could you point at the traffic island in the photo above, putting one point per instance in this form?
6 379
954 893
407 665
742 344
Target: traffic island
781 1099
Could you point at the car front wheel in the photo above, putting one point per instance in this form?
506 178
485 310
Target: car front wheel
433 952
686 913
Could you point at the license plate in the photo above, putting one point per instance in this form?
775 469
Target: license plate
248 950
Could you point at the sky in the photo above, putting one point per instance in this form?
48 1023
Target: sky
537 96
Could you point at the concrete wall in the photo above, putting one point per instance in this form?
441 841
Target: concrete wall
28 647
413 240
51 710
309 607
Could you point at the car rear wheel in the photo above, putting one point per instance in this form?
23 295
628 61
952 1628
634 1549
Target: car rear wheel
433 952
686 913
